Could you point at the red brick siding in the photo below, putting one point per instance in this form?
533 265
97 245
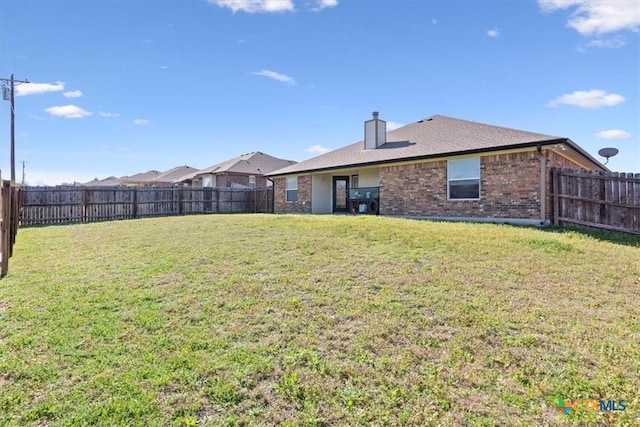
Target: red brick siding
302 205
509 188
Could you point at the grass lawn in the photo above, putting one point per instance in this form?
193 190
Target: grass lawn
316 320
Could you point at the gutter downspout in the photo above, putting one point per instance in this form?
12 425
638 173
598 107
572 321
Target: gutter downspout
543 185
273 194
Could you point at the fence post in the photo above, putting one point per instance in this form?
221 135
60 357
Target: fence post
6 214
15 216
85 198
556 198
134 207
636 197
180 194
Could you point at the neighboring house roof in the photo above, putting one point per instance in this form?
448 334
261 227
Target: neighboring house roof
110 182
254 163
432 137
143 177
172 174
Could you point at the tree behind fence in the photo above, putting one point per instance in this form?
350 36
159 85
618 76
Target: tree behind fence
66 205
606 200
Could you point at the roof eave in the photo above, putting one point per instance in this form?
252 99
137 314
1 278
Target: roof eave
440 155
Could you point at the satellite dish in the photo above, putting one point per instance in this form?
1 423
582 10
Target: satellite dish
608 152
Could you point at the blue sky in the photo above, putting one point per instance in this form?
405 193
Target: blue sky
121 87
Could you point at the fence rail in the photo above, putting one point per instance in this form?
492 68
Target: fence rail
606 200
67 205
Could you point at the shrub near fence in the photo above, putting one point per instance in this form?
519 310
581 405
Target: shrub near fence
67 205
606 200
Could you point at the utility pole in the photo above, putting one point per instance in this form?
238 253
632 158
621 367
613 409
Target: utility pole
11 97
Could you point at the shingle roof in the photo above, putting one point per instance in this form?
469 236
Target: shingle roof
142 177
108 182
431 137
256 163
172 174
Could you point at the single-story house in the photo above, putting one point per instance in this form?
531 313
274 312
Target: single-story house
151 178
167 178
106 182
437 167
140 179
247 170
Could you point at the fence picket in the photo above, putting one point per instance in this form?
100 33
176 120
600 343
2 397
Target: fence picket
64 205
607 200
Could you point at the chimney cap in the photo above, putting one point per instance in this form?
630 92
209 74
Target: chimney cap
375 114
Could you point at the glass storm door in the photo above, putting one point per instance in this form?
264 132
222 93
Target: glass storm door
340 194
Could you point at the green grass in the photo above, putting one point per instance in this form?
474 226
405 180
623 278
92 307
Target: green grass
316 320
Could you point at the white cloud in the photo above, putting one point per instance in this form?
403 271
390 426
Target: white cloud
38 88
323 4
140 122
594 98
393 125
598 16
317 149
256 6
613 134
123 149
612 43
72 94
109 115
276 76
495 32
164 67
68 111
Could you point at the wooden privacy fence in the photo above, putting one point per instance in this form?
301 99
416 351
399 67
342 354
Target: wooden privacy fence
10 217
607 200
66 205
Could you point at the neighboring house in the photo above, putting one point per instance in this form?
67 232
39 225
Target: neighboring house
107 182
148 179
140 179
438 167
248 171
169 177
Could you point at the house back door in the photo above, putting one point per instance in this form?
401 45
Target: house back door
340 194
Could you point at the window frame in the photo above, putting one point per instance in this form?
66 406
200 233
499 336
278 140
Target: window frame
287 189
466 177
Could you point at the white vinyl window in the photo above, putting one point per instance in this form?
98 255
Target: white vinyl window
252 181
291 190
463 179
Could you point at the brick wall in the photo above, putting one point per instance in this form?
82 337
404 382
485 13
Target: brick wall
302 205
509 188
227 179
